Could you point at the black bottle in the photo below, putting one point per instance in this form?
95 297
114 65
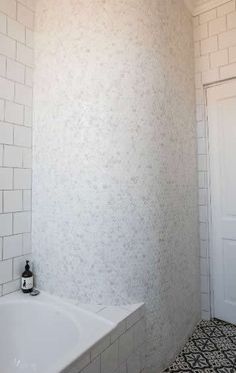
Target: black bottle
27 279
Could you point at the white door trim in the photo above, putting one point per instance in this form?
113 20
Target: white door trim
210 246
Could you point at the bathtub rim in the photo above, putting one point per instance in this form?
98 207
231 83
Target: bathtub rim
71 358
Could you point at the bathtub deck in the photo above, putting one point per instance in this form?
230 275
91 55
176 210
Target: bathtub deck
72 337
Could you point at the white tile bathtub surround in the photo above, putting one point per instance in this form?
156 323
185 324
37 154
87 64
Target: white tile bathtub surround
5 224
1 109
12 201
3 23
22 178
9 7
6 133
215 32
1 154
7 46
14 113
15 71
123 350
12 246
16 59
114 181
5 271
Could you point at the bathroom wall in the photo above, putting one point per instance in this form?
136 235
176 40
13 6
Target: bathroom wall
115 175
215 60
16 62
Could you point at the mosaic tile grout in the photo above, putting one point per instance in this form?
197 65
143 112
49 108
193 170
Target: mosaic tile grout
211 348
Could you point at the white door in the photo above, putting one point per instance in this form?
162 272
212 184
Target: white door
221 108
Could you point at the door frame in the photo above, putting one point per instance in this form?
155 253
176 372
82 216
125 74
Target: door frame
209 204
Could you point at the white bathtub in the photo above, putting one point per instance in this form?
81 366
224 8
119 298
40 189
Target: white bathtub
43 334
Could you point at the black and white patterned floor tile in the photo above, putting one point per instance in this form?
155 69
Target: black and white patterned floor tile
211 349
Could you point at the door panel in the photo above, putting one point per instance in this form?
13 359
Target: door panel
221 107
227 133
229 260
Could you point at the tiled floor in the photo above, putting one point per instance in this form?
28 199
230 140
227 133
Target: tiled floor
212 348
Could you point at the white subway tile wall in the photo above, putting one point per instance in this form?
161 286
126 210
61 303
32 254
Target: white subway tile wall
122 350
16 68
215 60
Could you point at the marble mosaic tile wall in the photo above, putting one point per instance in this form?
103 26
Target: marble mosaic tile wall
115 180
16 63
215 60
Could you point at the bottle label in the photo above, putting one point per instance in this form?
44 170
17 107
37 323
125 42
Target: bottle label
26 283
